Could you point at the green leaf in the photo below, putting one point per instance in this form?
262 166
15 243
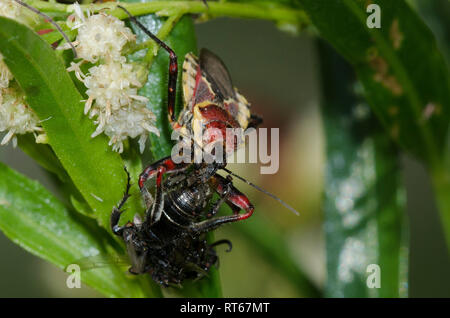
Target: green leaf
364 200
95 170
436 15
404 75
31 217
43 155
46 158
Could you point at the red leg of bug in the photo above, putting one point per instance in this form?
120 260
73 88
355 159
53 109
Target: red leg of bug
173 72
164 165
234 208
234 198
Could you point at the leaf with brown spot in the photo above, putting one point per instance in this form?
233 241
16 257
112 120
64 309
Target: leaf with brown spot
398 64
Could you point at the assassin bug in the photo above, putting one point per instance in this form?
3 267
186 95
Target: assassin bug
169 243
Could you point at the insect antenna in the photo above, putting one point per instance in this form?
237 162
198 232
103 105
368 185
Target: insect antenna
273 196
49 19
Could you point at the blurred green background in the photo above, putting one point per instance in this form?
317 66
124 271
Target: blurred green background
279 74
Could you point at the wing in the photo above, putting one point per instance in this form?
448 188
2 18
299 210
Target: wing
221 83
206 81
197 88
216 73
190 69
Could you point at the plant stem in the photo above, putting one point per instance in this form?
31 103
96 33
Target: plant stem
261 10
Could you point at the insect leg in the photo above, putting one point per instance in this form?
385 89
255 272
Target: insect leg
234 198
157 169
220 242
223 198
173 66
116 212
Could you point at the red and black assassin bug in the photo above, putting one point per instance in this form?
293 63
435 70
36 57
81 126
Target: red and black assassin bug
170 242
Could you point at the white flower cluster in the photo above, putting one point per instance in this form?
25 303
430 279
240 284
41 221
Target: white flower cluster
15 116
112 85
13 10
100 36
10 9
131 122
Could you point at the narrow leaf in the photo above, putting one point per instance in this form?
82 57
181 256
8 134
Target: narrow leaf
404 75
31 217
364 205
94 168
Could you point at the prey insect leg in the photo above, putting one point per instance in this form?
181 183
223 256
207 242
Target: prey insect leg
117 211
234 198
